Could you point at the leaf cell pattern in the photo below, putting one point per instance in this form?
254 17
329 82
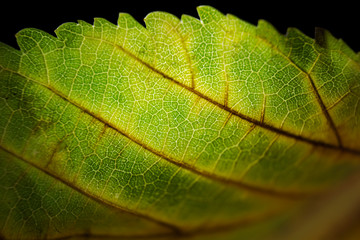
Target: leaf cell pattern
183 127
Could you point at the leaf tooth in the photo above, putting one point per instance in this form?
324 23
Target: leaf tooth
326 40
126 20
267 31
209 14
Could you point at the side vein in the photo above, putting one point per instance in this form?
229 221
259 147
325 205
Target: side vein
242 116
238 184
176 230
322 105
313 86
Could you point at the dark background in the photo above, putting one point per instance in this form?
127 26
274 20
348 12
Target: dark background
340 17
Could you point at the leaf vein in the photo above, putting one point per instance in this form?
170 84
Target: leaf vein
170 226
259 123
237 184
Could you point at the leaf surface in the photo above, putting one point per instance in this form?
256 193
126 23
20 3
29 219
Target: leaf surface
207 127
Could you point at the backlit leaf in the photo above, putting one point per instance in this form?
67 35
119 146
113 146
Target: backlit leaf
208 128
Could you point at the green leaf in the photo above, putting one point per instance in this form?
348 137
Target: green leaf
208 128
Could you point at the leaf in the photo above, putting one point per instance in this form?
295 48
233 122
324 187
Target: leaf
209 129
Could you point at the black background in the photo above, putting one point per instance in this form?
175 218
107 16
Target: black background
342 19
